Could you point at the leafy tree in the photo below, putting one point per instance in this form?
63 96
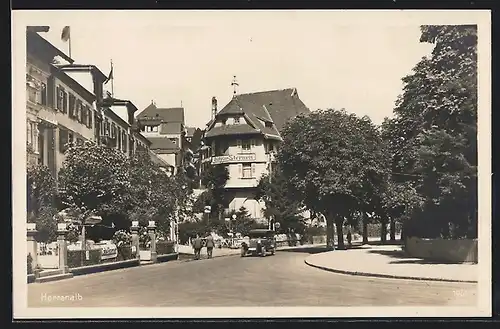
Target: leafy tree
41 194
215 179
155 196
332 160
433 135
94 180
280 205
243 223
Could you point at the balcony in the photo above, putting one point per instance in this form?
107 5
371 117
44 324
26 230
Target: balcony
238 158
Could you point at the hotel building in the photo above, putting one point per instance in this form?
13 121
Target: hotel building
244 136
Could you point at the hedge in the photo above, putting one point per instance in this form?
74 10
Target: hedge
165 247
75 257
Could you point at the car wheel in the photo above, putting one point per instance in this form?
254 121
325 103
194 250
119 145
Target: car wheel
263 251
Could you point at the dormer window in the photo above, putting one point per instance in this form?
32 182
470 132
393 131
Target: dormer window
269 124
237 121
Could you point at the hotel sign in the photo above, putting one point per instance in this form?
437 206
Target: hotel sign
233 158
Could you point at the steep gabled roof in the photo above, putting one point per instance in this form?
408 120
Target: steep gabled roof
174 114
231 130
281 105
267 111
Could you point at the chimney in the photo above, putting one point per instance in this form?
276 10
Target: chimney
214 107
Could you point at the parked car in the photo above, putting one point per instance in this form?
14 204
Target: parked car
260 242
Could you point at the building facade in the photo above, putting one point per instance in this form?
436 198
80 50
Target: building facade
60 110
244 136
170 138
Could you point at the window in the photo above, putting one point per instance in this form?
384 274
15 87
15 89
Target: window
43 95
113 130
124 141
78 111
71 105
79 141
106 127
91 114
32 135
85 115
63 139
173 140
65 103
247 170
236 120
119 139
154 129
60 99
246 145
71 137
269 124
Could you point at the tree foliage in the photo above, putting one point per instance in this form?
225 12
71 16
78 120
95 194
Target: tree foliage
281 206
215 179
332 161
41 207
433 136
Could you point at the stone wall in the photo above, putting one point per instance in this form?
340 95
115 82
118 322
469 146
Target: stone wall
456 251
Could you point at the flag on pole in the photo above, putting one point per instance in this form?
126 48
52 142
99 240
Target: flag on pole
110 75
65 35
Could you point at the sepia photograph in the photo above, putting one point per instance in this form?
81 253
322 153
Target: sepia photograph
251 164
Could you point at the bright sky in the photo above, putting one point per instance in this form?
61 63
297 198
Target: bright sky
172 57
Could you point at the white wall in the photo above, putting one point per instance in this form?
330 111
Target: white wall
65 120
83 78
246 199
169 158
120 111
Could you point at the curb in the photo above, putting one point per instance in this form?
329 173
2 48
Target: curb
385 276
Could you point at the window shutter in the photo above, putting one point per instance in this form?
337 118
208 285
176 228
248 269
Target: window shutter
238 142
65 102
253 169
240 170
58 103
253 143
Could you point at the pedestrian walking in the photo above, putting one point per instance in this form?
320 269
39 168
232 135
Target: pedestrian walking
210 245
197 245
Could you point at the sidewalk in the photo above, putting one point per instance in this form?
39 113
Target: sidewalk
389 261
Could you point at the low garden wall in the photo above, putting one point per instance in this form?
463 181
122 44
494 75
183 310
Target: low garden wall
455 251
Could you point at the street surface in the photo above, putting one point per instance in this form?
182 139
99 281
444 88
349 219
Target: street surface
280 280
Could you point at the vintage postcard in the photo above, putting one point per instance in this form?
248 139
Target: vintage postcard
251 164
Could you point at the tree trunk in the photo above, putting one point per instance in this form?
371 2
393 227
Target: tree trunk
339 222
365 228
393 229
329 233
383 230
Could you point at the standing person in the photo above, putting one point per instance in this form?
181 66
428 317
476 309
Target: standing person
197 244
210 245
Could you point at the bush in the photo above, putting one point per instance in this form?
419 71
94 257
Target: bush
30 264
165 247
125 253
76 258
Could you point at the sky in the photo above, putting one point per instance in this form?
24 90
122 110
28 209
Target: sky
187 58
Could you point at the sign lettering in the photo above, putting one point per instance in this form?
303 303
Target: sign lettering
233 158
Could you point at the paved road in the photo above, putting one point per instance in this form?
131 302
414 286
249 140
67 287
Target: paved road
279 280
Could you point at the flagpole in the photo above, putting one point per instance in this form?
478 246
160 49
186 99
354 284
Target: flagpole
69 45
112 81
